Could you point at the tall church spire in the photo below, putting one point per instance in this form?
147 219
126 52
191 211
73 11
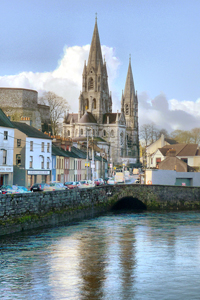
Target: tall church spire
129 86
95 56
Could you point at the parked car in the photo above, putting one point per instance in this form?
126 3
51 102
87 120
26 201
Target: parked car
99 181
71 184
39 187
8 189
22 189
86 184
111 180
57 186
137 181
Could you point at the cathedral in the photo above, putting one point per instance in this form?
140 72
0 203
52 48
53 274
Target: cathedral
118 131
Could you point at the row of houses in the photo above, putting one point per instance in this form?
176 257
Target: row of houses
29 156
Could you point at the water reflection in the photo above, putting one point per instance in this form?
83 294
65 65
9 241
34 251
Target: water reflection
124 256
92 263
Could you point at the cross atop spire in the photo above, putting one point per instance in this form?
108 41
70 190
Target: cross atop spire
95 56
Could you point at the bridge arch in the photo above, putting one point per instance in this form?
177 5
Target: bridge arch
129 203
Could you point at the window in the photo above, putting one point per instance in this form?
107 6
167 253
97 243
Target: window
42 163
121 138
48 161
76 132
104 133
18 159
48 147
127 109
68 132
94 104
81 131
31 145
18 142
42 149
31 162
112 133
5 135
90 83
4 157
185 160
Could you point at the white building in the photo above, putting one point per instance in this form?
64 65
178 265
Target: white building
32 155
6 149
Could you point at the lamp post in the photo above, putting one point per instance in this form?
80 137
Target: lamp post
87 163
102 155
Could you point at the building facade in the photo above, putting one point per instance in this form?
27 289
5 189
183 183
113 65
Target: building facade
95 117
6 149
32 155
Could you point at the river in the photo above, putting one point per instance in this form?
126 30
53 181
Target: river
116 256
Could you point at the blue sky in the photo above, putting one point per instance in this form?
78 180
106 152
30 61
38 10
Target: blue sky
40 40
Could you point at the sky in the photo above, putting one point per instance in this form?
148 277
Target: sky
44 44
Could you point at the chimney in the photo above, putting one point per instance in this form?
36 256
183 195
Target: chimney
171 153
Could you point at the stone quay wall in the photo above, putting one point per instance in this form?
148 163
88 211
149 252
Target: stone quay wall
32 210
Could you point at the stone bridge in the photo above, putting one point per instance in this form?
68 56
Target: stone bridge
32 210
153 197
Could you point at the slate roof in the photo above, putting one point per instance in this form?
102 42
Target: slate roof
173 163
87 118
79 153
181 149
60 152
170 141
4 120
68 118
30 131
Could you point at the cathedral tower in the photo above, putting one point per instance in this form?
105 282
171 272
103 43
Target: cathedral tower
129 103
95 97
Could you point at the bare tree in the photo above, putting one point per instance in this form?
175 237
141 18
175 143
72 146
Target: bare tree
149 133
196 135
182 136
58 106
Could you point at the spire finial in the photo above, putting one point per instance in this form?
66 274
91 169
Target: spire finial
96 17
129 58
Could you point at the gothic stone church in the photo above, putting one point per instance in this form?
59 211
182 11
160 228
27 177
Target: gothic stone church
95 117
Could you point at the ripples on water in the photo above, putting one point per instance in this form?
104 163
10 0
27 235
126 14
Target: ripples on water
123 256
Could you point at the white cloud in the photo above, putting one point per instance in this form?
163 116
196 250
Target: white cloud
66 79
171 115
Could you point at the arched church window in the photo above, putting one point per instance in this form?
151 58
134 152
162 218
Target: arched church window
121 138
68 132
81 131
90 83
93 132
127 109
76 132
99 79
104 133
86 104
112 133
94 105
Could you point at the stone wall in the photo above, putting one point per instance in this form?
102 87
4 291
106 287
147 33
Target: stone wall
16 97
22 104
26 211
